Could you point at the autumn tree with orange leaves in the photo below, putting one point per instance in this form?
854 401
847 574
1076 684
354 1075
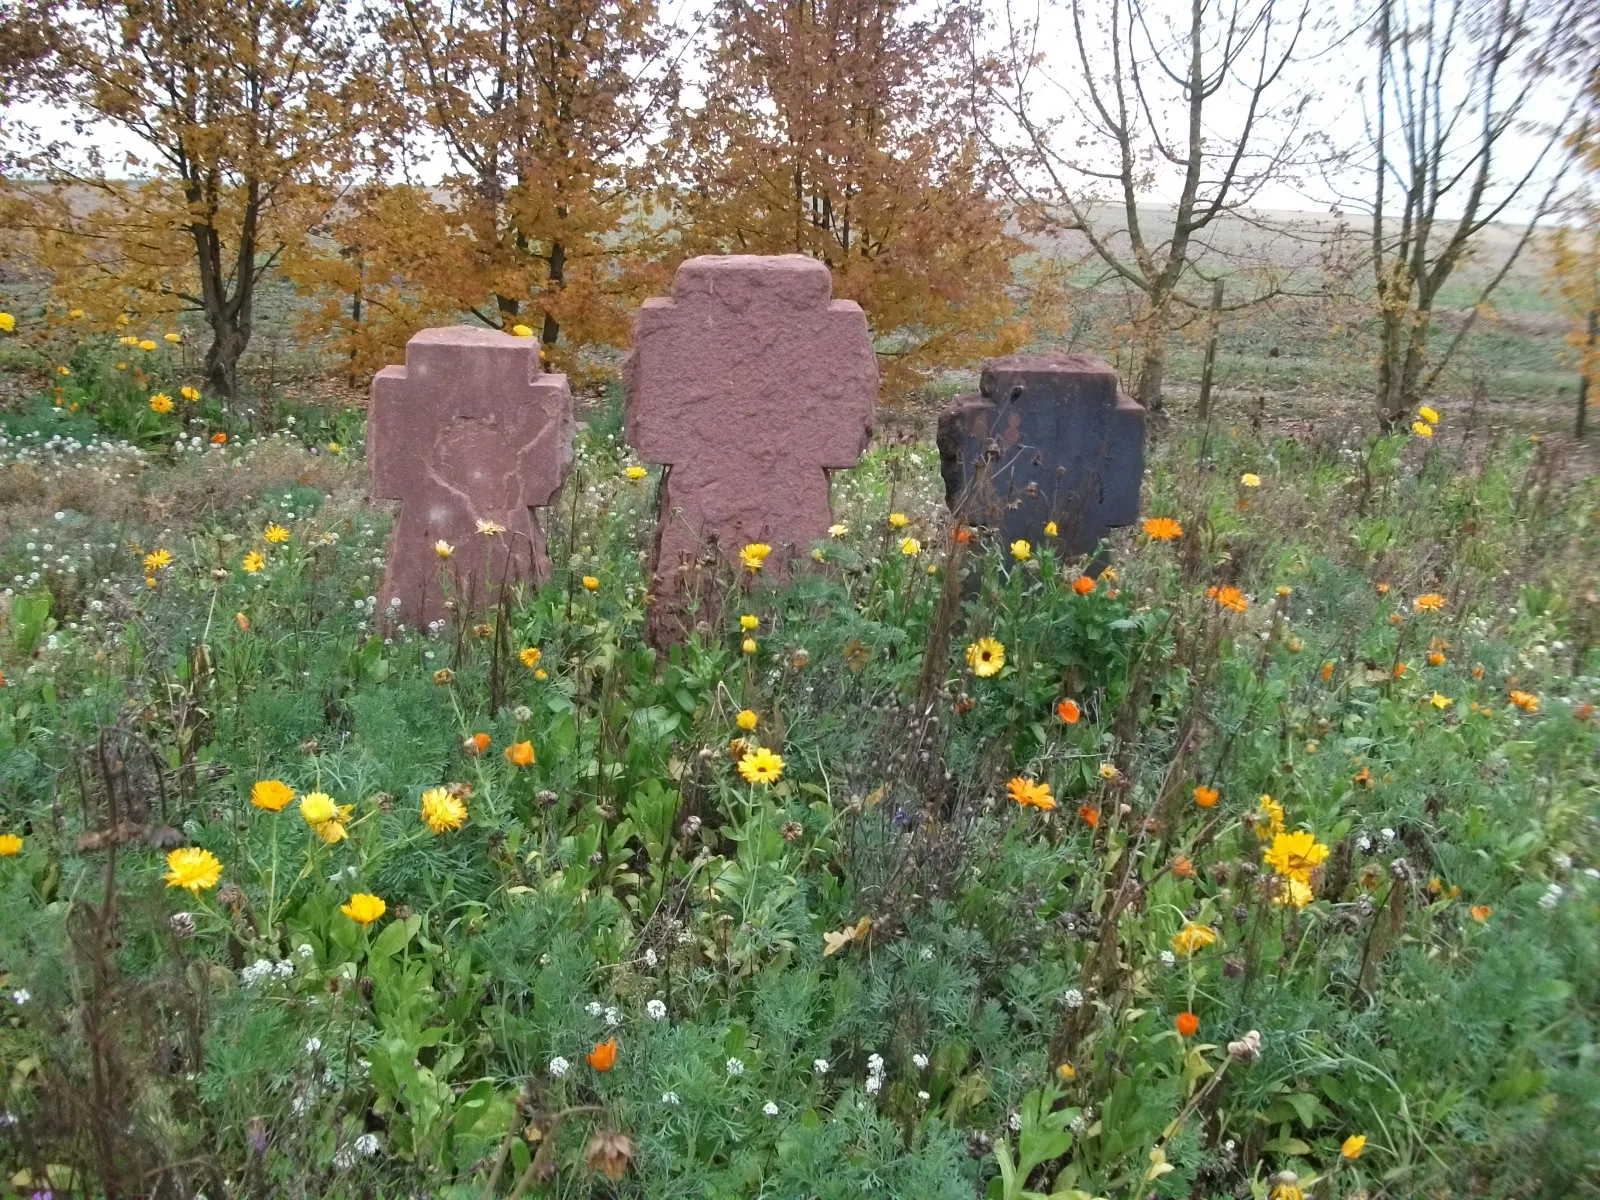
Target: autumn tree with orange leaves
543 110
842 129
243 111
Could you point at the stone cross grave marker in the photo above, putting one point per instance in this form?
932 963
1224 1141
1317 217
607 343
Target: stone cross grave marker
470 429
751 384
1062 444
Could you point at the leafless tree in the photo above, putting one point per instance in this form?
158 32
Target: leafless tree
1454 84
1204 102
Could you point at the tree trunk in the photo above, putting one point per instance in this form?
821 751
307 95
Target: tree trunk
558 266
1586 367
1391 397
1209 366
230 335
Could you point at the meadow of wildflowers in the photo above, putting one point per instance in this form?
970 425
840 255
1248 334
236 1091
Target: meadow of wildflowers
1262 865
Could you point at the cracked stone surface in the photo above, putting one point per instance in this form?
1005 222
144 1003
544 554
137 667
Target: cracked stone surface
751 384
471 429
1047 437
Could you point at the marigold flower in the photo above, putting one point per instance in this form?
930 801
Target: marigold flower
1399 670
520 754
1107 771
490 528
326 818
1436 659
1526 701
147 345
1353 1146
749 621
190 394
10 844
1428 602
1050 529
1428 415
1383 588
253 562
636 473
1230 598
476 744
174 338
746 720
761 766
530 656
1583 712
591 583
1441 702
986 657
1029 794
75 314
1193 937
1083 585
1205 797
898 520
1294 855
63 371
1481 913
219 438
1090 815
443 676
364 908
1067 1071
1162 529
748 646
541 673
157 559
1327 671
910 547
443 810
522 331
1274 814
1069 711
1422 429
276 534
1250 479
192 868
1188 1024
1477 670
1021 550
604 1056
962 535
272 794
838 530
7 322
1182 868
754 556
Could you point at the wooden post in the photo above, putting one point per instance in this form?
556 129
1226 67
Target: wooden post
1215 325
1588 363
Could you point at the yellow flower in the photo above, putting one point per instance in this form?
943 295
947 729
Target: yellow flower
1250 479
76 314
1422 429
520 754
986 656
748 645
1431 417
1050 529
174 338
1294 893
253 562
122 366
1021 551
192 868
521 331
910 547
1274 813
590 583
838 530
541 673
1029 794
1288 1189
754 555
1294 855
127 341
276 534
748 621
898 520
443 548
147 345
530 656
334 448
124 319
10 844
1428 602
1526 701
442 810
190 394
1162 529
490 528
161 403
746 720
1067 1071
326 818
761 766
1193 937
1354 1144
271 794
63 371
364 908
7 322
157 559
1441 702
1107 771
636 473
817 555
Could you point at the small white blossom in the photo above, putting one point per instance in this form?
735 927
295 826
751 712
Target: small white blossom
613 1018
650 958
283 968
304 950
819 1066
874 1064
1563 862
313 1045
1168 958
735 1068
920 1061
926 954
770 1109
1551 897
874 1083
21 996
656 1010
670 1098
1073 998
1015 1121
367 1145
593 1008
923 1097
559 1067
1386 833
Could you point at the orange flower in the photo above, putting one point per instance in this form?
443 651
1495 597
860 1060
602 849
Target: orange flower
1477 670
1383 589
1480 912
520 754
604 1056
1428 602
1205 797
1029 794
963 535
1069 712
476 744
1188 1024
1090 815
1162 529
1583 713
1230 598
1327 671
1363 777
219 438
1182 867
1399 670
1435 659
1083 585
1526 701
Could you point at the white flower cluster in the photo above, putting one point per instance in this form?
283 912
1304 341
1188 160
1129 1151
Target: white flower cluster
656 1010
1073 998
1552 897
559 1067
265 968
735 1068
874 1074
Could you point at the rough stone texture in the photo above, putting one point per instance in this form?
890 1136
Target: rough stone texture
469 430
751 384
1048 437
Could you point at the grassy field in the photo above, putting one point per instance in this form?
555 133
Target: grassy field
1266 866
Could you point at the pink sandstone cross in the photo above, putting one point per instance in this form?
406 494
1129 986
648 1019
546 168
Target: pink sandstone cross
470 430
750 384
